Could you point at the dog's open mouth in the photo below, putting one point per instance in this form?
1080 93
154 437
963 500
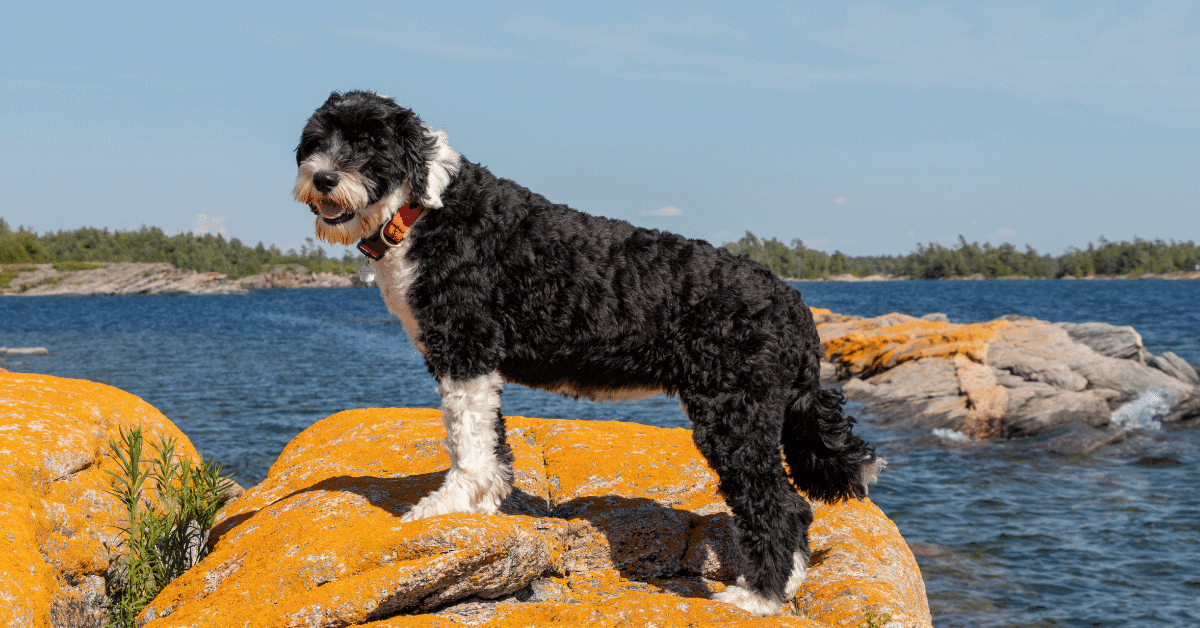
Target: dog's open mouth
331 213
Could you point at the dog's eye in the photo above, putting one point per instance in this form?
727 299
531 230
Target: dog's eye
364 142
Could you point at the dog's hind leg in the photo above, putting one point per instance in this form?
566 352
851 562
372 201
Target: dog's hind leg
740 440
480 474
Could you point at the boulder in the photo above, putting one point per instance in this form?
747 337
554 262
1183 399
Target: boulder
610 524
1114 341
60 524
1176 367
1012 377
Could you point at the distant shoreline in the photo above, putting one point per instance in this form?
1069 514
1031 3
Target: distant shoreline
133 278
978 277
143 278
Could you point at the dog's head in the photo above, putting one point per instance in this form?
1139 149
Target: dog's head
361 157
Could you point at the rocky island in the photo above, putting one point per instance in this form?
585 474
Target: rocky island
1011 377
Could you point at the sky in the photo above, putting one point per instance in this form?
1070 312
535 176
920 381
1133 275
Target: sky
865 127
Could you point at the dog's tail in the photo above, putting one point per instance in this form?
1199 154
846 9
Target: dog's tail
826 459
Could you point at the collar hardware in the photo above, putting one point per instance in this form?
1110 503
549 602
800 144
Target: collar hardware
392 232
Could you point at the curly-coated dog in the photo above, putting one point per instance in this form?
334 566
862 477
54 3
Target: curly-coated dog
495 283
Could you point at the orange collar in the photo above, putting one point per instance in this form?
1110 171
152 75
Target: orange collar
377 245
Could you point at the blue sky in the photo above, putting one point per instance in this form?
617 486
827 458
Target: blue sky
863 126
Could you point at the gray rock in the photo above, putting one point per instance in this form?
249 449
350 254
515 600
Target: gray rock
1114 341
829 372
922 393
936 317
1187 413
1053 344
1036 377
1176 367
1083 440
1041 412
22 351
1034 368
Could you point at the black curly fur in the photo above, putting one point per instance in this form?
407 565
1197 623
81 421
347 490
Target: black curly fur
550 297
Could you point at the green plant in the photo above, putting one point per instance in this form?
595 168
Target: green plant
874 619
163 541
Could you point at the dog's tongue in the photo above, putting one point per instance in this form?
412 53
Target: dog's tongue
330 210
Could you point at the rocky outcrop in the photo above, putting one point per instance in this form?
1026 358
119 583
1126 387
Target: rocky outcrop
297 276
610 524
1011 377
59 524
121 278
118 278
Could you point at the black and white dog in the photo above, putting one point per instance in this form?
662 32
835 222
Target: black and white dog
495 283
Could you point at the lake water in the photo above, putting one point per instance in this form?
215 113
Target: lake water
1006 533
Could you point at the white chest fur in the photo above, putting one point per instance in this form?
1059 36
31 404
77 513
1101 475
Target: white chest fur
395 274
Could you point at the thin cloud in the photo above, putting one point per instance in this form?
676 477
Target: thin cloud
667 211
1002 234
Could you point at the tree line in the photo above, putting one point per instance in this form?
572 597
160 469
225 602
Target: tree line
206 253
934 261
210 253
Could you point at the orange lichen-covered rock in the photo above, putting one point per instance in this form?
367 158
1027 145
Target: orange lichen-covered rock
59 524
871 345
1010 377
609 524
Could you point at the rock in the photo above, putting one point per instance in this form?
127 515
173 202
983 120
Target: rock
936 317
119 278
1053 408
1032 368
829 372
1176 367
1114 341
610 524
1051 343
297 276
22 351
61 525
1012 377
1187 413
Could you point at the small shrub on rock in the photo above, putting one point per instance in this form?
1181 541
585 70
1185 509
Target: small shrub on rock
161 541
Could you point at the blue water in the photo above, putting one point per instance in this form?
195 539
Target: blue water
1007 533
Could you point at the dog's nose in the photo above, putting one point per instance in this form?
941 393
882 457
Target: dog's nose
325 180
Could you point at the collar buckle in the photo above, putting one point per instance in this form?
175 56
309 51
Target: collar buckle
392 232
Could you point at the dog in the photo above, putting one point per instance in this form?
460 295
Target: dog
493 283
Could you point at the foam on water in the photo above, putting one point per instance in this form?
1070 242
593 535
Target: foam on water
953 436
1145 412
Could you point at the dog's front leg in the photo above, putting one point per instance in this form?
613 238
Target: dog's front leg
480 474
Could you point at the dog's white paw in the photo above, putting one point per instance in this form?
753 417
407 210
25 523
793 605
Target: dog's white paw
747 600
434 504
799 571
462 492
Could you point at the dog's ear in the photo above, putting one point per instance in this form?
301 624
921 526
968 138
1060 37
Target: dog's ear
414 147
334 98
